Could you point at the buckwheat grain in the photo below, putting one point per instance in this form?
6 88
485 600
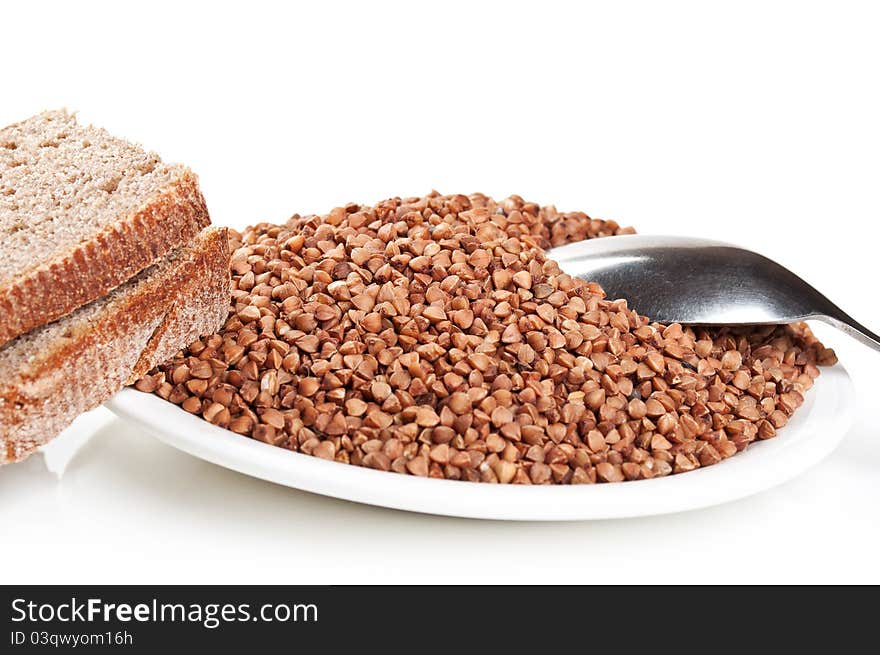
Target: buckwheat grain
432 337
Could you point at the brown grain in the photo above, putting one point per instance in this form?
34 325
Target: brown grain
431 336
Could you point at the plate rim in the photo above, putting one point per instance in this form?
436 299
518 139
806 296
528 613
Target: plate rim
804 442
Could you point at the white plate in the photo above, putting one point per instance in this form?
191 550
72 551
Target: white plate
814 431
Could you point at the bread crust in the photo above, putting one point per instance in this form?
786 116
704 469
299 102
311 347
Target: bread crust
113 256
167 312
201 306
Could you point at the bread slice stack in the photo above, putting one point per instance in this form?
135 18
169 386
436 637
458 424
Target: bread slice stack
108 266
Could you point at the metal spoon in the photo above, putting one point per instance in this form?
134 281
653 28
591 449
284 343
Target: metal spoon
695 281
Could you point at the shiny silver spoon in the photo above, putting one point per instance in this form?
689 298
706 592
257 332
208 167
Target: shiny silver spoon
700 282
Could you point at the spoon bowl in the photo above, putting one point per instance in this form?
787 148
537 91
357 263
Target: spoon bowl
693 281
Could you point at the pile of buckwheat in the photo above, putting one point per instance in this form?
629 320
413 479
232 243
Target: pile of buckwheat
432 336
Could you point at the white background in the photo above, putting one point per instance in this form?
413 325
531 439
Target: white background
752 122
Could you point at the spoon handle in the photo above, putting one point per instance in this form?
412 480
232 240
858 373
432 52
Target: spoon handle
852 327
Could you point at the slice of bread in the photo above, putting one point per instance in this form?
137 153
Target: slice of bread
51 375
81 212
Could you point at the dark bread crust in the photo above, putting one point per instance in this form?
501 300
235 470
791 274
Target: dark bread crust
201 307
186 300
94 268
